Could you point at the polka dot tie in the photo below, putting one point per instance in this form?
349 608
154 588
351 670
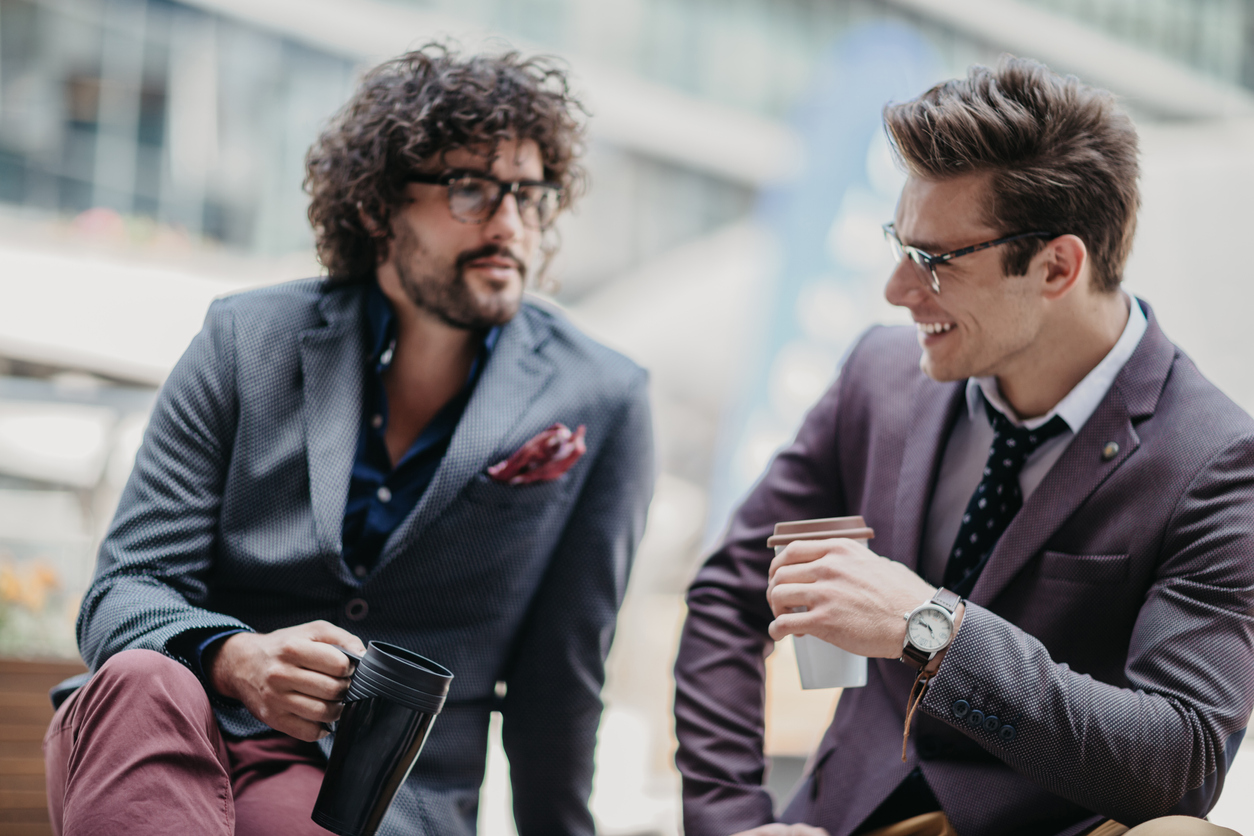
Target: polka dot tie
997 498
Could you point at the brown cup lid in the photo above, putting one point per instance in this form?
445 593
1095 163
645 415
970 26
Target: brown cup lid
824 529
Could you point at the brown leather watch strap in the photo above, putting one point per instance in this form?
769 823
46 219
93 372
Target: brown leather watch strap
948 600
915 658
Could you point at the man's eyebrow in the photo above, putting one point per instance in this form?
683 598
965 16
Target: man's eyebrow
929 247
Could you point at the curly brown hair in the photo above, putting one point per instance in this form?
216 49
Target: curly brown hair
1062 157
410 111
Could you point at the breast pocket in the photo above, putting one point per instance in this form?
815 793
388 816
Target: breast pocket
1085 568
483 490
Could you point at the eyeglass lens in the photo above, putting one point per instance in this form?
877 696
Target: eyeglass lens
924 271
475 199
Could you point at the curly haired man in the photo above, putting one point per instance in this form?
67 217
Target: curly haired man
321 469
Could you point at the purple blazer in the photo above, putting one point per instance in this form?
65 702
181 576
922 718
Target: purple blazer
1112 629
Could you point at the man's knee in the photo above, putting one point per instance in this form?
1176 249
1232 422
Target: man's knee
140 678
146 666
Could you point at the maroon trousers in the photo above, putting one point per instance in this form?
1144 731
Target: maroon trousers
137 751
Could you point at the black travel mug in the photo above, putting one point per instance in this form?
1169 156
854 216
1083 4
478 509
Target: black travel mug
392 701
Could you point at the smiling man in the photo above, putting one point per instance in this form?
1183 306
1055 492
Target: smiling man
407 451
1057 607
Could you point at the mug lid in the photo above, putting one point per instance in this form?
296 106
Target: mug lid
366 684
820 529
404 667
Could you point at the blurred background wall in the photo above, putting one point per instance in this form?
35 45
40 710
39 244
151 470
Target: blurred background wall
151 159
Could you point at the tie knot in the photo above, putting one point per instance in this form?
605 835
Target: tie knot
1020 442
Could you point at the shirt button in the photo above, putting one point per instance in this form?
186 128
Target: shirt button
360 571
376 421
356 609
384 494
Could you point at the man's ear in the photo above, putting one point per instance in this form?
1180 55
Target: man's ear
1066 264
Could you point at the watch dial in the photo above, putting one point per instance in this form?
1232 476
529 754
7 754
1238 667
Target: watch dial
929 630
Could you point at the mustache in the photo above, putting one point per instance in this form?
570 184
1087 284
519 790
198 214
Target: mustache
490 251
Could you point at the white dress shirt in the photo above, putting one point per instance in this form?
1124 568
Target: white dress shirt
967 449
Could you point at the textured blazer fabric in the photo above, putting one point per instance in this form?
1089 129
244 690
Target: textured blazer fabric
1105 666
232 518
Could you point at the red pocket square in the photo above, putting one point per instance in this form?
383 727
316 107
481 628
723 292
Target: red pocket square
545 457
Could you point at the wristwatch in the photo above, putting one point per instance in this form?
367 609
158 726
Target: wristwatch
929 628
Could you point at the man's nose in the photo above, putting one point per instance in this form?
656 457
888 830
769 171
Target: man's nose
904 287
506 222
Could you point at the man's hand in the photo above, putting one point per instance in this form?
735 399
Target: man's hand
292 679
854 598
783 830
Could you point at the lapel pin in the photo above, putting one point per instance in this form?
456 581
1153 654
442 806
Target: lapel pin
1110 451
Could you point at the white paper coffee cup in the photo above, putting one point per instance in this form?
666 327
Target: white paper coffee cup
824 665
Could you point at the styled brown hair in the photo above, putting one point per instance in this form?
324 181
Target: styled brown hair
1061 155
406 114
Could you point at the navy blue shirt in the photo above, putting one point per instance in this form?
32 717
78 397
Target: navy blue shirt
380 496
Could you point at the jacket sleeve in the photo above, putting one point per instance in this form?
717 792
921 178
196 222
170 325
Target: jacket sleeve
150 582
1163 745
552 706
719 673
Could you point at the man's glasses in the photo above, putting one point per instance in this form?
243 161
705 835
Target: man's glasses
474 198
928 262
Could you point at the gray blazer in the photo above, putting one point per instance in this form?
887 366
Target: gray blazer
232 518
1112 629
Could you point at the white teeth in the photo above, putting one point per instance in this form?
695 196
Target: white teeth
934 327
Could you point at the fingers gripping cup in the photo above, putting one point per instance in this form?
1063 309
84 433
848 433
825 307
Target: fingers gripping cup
393 698
820 664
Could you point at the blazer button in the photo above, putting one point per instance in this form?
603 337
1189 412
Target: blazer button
991 723
1007 733
961 708
976 717
356 609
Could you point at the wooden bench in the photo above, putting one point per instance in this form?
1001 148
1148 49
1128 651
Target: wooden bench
24 716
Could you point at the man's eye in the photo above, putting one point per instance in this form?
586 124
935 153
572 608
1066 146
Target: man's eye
470 190
530 197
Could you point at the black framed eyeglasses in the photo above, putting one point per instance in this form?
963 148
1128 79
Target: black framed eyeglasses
473 198
928 262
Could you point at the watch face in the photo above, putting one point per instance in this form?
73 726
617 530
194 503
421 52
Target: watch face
929 630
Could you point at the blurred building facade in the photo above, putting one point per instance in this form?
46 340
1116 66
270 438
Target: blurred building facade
151 157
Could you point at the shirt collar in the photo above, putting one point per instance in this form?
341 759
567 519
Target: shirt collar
381 322
1080 403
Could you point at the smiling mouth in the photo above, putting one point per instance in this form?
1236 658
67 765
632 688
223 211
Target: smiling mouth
931 328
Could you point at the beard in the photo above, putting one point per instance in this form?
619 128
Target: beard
443 291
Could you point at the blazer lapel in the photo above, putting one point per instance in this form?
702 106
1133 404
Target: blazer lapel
1084 466
513 379
933 409
332 361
